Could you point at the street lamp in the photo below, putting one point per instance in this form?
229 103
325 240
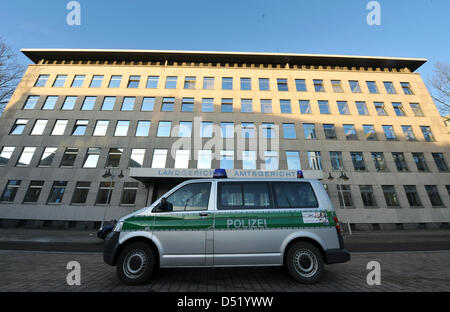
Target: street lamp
342 177
109 174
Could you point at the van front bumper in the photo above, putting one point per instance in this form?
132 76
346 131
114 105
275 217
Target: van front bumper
337 256
110 248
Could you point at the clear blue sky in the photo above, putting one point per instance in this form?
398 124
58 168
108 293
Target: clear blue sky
410 28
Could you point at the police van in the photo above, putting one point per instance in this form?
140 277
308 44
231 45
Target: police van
223 222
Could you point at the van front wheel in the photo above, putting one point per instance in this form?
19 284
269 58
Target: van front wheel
135 264
305 263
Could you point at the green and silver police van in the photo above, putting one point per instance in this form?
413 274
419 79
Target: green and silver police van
223 222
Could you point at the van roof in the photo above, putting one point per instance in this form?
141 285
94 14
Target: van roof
252 180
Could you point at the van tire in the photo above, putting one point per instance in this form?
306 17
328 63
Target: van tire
136 264
305 263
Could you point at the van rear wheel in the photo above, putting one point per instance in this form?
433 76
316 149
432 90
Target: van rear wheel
304 262
135 264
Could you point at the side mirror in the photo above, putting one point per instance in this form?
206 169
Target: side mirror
162 206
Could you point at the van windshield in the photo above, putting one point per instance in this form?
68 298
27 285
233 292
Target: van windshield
191 197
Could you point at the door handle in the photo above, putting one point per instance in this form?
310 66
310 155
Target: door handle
203 214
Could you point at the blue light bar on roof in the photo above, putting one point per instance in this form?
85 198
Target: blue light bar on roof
220 174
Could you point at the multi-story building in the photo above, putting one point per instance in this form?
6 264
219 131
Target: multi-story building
366 126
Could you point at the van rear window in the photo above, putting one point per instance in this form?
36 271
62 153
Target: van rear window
244 196
294 195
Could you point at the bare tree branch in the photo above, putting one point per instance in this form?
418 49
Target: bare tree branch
440 84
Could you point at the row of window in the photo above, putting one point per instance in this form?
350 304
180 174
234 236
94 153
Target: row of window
234 196
207 129
226 157
245 83
226 105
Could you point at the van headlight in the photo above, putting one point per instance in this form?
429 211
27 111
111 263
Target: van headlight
118 226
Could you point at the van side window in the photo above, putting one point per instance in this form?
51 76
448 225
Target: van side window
244 196
191 197
294 195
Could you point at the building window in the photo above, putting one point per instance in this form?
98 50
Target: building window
433 195
208 83
246 84
336 161
264 84
314 160
133 82
108 103
60 127
398 108
41 81
187 105
10 191
164 129
206 129
389 133
143 128
50 103
406 88
305 107
159 158
6 154
168 104
128 104
59 81
204 159
189 82
400 162
379 107
39 127
115 81
80 127
248 130
309 131
92 157
441 164
114 156
285 106
350 132
246 105
343 108
57 192
300 84
346 193
47 157
337 86
330 131
104 193
96 81
33 192
227 129
358 161
372 86
367 196
370 133
78 81
182 159
129 193
137 158
171 82
268 130
19 126
69 103
226 106
148 104
293 160
389 86
421 164
408 133
362 108
31 102
81 192
227 83
185 129
427 134
324 108
101 127
26 156
415 107
390 196
354 86
412 195
207 105
282 84
88 103
152 82
122 128
227 159
266 106
270 160
69 156
249 160
318 85
289 131
379 162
